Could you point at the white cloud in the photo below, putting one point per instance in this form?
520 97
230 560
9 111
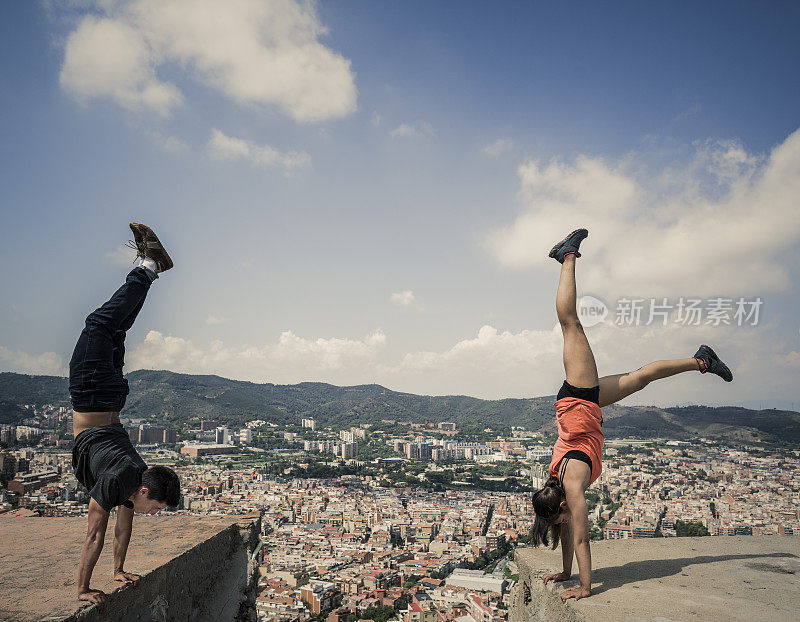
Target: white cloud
692 111
47 363
406 299
215 320
497 364
167 143
411 131
726 161
376 119
252 51
498 147
109 58
719 227
492 364
793 359
292 359
122 256
223 147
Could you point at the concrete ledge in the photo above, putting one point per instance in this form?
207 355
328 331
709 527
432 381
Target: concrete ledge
668 579
193 568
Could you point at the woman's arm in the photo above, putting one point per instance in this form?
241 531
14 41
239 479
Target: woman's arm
567 551
567 548
580 540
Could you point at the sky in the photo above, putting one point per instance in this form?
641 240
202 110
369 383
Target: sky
366 192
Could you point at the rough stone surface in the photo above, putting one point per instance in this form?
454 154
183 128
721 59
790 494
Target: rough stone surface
668 579
193 568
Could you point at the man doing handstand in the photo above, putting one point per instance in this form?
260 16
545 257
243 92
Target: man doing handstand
103 457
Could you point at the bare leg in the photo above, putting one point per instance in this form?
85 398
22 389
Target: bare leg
579 364
617 387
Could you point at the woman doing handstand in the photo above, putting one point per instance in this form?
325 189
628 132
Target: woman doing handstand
560 506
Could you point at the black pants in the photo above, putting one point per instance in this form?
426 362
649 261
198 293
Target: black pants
95 370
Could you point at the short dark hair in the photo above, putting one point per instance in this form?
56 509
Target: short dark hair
163 485
547 506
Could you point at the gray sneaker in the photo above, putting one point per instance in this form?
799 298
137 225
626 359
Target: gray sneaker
713 364
569 244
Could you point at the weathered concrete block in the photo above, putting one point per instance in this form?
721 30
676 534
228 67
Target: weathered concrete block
668 579
193 569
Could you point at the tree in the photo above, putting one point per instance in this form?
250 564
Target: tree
690 529
381 613
595 531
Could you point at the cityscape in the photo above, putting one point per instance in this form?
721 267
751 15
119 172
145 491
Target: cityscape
404 520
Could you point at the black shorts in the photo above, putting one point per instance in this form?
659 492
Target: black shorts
589 395
577 454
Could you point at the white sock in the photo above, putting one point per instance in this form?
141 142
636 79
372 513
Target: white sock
146 262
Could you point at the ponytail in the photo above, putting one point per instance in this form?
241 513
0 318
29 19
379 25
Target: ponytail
547 506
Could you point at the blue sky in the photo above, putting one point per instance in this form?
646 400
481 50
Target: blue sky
366 192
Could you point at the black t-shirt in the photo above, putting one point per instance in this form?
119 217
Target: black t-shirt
106 463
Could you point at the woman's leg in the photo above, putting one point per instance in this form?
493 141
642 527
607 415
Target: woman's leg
579 363
619 386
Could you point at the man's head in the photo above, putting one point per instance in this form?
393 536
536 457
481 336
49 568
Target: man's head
160 488
550 506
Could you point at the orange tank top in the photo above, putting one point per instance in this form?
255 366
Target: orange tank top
579 424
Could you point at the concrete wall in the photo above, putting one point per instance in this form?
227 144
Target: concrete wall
657 579
215 580
531 600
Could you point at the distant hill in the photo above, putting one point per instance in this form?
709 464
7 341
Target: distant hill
729 423
182 397
185 396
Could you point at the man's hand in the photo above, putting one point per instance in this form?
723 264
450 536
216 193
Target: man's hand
127 577
96 597
575 592
561 576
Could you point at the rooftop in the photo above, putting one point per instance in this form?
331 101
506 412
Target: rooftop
39 562
669 579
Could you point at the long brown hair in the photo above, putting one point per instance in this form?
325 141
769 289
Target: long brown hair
547 506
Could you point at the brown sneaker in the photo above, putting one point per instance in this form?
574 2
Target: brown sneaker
148 245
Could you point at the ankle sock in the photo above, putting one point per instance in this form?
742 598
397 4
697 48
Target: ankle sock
149 266
146 262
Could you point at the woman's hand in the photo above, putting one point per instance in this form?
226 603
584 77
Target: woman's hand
575 592
561 576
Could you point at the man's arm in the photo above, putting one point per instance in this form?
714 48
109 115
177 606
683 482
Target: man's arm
92 546
122 537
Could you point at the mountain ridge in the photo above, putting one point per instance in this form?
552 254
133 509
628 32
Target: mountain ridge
179 398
